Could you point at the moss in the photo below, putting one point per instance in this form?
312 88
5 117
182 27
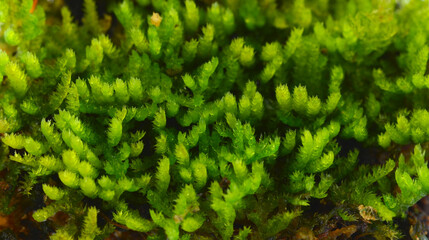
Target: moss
216 119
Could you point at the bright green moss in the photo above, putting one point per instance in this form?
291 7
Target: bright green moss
222 119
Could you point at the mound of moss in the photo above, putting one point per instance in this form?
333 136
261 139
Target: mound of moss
229 119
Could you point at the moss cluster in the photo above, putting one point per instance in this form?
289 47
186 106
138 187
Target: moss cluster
244 119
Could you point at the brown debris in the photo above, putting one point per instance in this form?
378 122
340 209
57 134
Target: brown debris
156 19
304 233
368 213
347 231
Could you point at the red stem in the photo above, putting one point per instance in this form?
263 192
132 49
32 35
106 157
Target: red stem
34 6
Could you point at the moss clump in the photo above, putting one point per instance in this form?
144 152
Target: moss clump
216 119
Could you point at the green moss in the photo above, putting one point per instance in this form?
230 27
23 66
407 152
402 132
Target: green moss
218 120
